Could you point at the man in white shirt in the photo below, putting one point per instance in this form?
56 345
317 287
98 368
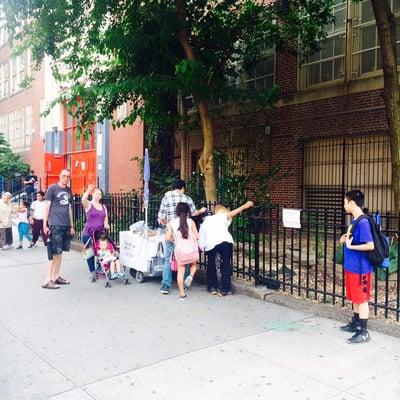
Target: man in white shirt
215 238
36 218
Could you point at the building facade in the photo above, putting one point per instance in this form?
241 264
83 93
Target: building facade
329 127
52 142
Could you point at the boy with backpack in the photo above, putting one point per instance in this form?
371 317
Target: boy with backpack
183 232
359 245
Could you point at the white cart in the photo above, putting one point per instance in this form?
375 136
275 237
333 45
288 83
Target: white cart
142 252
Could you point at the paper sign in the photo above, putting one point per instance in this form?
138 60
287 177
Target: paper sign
291 218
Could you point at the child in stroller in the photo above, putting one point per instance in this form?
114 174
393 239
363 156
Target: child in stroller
107 257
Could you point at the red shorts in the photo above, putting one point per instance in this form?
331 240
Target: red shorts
358 291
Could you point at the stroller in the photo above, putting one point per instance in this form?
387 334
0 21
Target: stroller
103 269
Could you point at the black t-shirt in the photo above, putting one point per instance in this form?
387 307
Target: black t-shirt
60 199
32 180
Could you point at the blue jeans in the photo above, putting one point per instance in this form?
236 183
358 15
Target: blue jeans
90 261
167 273
23 230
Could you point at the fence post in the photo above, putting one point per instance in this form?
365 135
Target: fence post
256 221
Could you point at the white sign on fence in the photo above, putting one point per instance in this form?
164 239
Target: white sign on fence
291 218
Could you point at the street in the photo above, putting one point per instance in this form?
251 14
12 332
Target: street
84 341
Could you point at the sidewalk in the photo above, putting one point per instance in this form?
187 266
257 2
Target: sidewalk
84 342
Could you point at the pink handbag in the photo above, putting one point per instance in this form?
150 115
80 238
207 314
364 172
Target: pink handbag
173 262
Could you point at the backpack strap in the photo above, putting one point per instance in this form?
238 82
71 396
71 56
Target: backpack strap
357 221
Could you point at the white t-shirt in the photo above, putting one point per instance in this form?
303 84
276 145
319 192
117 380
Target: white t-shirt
38 209
214 231
175 225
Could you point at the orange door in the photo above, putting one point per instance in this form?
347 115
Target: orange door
83 170
52 167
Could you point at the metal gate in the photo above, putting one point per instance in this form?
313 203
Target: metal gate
334 166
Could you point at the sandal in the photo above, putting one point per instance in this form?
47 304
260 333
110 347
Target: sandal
50 285
62 281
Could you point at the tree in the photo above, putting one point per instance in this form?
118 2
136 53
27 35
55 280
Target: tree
10 163
386 24
141 52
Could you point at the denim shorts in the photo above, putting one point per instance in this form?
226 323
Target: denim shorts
59 240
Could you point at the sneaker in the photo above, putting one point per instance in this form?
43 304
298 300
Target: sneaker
350 327
164 289
6 247
33 244
224 294
19 247
213 291
93 277
360 337
188 281
120 275
114 276
182 298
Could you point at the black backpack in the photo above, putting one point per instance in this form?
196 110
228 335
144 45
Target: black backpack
381 244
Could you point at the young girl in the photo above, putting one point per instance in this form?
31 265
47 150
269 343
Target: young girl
183 232
108 256
23 223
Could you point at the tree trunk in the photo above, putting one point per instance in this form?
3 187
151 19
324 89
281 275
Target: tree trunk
183 135
206 162
386 24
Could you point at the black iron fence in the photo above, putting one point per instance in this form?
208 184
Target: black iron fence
303 262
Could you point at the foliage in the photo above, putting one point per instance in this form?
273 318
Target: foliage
239 182
10 163
114 51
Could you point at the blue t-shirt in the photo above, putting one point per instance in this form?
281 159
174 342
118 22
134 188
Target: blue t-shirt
356 261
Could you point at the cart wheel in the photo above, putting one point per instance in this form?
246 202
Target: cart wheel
132 272
127 281
108 284
139 277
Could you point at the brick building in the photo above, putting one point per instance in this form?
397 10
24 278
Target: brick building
329 125
51 143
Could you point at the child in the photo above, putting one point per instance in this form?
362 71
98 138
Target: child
182 230
357 267
107 256
216 239
23 223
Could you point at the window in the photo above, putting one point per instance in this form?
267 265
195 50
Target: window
328 64
3 28
262 74
16 130
74 140
17 70
29 120
366 57
3 80
4 125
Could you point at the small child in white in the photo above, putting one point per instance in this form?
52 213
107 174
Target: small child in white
107 256
23 224
215 238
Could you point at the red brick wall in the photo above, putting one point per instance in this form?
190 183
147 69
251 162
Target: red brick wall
347 115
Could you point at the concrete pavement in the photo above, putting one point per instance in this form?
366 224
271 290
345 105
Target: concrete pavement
85 342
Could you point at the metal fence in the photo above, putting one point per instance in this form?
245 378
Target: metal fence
302 262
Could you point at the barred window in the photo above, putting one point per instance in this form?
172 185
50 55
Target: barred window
328 64
366 57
